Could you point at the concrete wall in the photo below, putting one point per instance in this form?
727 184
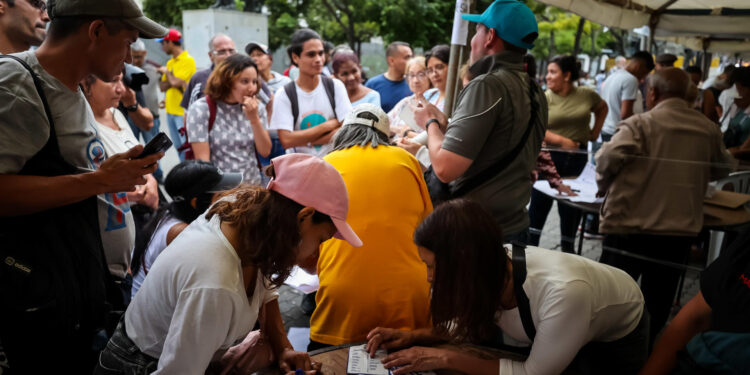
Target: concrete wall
198 26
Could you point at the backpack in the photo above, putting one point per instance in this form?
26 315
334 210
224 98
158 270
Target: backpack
291 92
187 147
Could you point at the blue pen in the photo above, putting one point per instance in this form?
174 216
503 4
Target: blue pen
299 371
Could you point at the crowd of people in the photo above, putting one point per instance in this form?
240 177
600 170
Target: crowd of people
422 227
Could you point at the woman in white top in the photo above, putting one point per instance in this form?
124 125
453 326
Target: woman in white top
114 130
207 289
420 85
588 316
192 185
239 126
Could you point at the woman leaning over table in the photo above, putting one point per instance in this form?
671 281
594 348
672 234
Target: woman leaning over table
239 127
208 288
588 317
570 110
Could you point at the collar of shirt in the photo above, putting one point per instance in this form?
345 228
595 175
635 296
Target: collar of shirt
506 59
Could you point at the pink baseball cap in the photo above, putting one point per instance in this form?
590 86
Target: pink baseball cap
313 182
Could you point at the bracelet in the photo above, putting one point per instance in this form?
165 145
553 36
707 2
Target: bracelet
429 122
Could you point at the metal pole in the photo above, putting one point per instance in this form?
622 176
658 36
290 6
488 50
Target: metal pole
458 40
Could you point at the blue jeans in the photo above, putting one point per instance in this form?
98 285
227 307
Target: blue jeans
122 356
174 123
606 137
147 137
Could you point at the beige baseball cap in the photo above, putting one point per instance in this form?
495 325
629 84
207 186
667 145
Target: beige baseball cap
125 10
355 117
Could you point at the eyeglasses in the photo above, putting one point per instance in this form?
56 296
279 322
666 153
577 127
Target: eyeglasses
39 4
436 68
420 75
222 52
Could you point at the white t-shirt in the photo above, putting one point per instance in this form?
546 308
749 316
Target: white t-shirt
118 236
573 300
193 302
24 130
620 86
314 109
726 101
156 245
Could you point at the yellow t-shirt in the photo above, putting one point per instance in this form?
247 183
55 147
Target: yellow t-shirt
182 67
384 282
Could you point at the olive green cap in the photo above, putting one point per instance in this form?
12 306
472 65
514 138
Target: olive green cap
124 10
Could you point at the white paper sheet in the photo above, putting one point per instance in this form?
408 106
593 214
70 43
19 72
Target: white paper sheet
302 281
584 186
361 363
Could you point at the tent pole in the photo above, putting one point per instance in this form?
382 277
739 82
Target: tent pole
455 61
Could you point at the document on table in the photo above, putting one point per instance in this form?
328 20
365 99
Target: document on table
361 363
584 186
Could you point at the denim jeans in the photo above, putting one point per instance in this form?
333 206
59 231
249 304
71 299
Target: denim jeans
122 356
174 124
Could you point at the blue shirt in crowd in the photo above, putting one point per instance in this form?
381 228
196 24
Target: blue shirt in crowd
391 92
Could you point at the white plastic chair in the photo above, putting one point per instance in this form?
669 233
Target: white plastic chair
738 182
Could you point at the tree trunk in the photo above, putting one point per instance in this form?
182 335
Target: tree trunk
579 32
551 44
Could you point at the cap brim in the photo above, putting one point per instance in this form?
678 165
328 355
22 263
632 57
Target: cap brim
251 46
147 28
472 17
346 233
228 181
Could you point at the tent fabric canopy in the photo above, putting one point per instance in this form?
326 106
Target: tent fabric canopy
714 25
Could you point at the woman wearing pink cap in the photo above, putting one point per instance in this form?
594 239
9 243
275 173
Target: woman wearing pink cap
204 293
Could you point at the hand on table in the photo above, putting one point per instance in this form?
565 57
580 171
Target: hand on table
417 358
387 338
290 361
566 190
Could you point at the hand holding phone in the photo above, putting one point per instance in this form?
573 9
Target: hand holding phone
160 143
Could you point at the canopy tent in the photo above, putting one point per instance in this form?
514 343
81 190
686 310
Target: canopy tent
710 25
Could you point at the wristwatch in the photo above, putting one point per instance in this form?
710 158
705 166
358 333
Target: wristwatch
132 108
429 122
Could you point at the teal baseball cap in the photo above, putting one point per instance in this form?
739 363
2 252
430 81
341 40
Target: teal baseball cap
513 21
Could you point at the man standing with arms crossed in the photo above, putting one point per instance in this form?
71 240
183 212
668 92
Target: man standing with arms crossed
54 182
500 111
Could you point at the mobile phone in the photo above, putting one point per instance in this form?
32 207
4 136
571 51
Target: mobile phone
160 143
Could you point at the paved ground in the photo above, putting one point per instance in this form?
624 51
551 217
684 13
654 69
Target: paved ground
290 299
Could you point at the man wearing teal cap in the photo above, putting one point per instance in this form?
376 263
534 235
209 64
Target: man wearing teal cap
62 198
490 146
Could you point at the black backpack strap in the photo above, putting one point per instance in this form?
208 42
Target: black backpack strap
52 142
519 277
503 163
331 92
291 92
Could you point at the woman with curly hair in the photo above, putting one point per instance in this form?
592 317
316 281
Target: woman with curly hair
207 289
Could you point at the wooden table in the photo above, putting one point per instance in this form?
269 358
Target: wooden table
334 359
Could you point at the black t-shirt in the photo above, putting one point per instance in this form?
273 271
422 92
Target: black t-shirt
725 285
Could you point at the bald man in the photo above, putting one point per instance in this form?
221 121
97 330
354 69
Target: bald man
654 187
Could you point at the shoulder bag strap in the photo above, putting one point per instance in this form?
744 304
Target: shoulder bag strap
331 92
498 167
211 112
519 277
291 93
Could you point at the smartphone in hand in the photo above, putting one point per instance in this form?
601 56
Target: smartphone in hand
160 143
